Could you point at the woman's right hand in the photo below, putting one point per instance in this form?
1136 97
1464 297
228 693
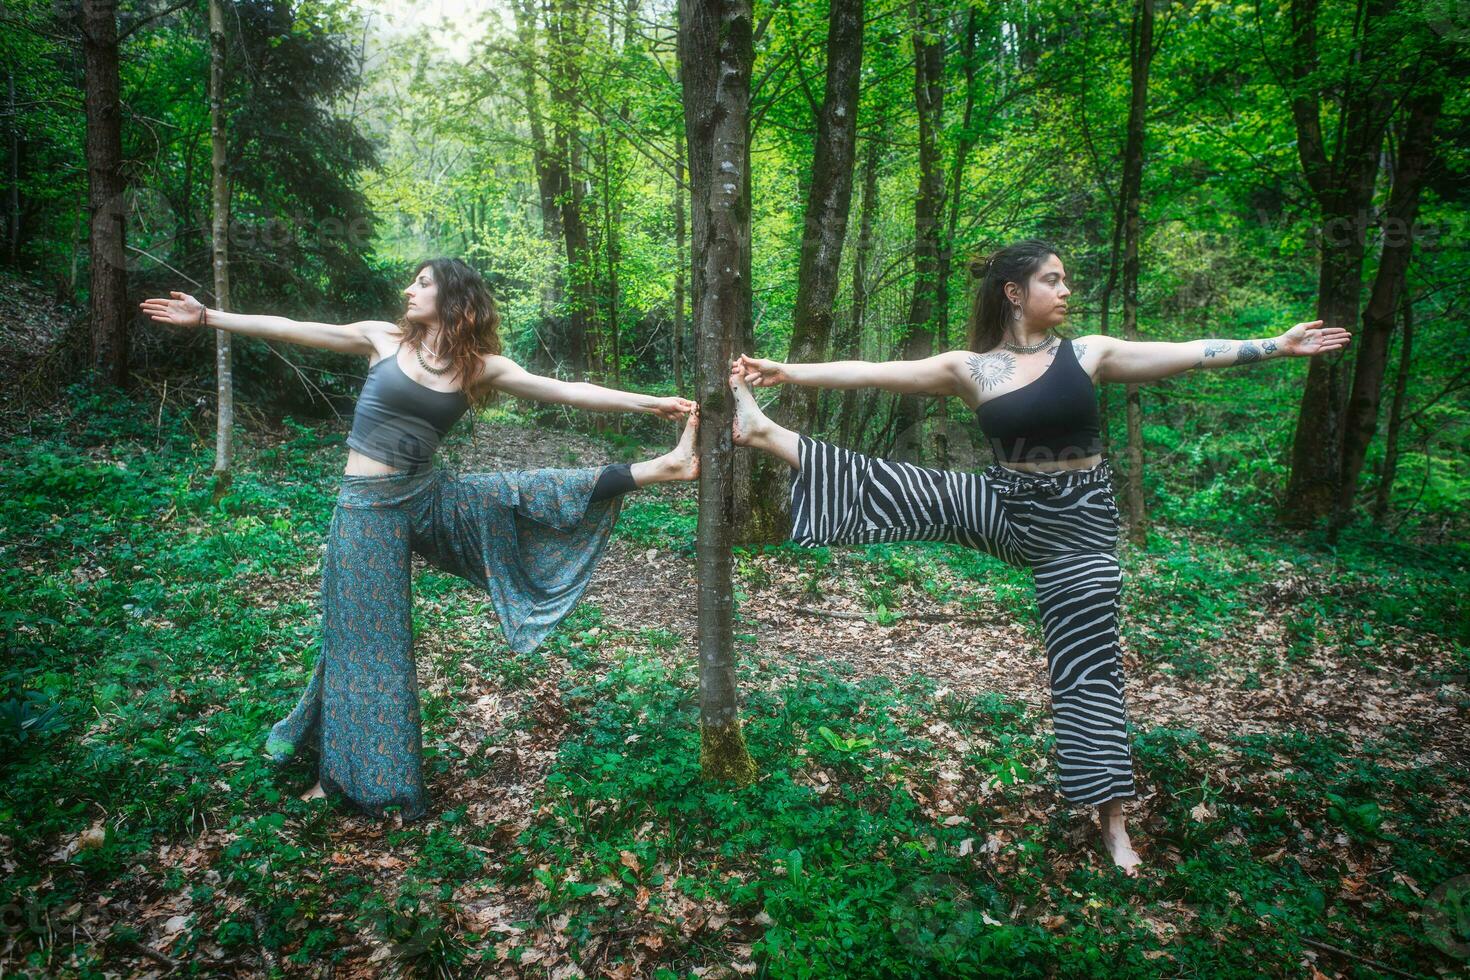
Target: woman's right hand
181 310
760 372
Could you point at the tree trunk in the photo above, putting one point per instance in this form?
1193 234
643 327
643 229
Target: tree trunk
220 251
681 264
964 143
12 222
928 205
565 55
1143 50
716 53
1343 187
1105 304
1361 421
105 187
829 201
850 347
1396 410
550 179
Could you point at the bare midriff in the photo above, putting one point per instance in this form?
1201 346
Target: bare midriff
1054 465
360 465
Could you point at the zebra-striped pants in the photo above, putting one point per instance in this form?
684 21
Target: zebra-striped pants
1064 527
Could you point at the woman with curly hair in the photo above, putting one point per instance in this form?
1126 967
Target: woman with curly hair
530 539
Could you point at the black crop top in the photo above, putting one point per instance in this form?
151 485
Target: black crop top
1052 418
399 421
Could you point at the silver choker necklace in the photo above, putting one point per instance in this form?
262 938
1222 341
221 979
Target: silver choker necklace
1046 342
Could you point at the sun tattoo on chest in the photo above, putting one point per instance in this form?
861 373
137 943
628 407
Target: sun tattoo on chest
991 370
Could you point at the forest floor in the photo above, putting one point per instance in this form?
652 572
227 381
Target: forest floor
1301 719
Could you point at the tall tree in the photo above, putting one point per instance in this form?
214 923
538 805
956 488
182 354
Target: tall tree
716 51
105 190
1341 181
220 245
928 207
566 32
828 203
849 346
1141 59
1389 473
1415 156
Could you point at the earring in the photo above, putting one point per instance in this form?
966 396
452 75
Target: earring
1016 312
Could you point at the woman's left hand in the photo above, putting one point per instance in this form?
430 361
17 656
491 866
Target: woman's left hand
1311 339
672 407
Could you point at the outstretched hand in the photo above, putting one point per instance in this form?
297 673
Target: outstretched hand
759 371
182 310
1311 339
673 408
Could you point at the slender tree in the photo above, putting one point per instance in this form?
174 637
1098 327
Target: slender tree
1415 156
105 190
716 50
220 250
828 203
928 207
1142 57
1389 472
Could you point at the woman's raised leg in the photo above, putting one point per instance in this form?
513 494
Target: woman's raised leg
842 497
679 463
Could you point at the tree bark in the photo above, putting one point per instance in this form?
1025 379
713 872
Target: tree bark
681 264
550 177
928 205
12 216
105 188
1343 187
829 201
565 54
1396 410
964 143
716 51
220 246
850 347
1416 154
1142 57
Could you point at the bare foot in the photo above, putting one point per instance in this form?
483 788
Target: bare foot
682 462
315 793
1115 839
750 422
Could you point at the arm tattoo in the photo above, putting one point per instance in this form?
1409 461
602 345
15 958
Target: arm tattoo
991 370
1268 346
1213 347
1249 353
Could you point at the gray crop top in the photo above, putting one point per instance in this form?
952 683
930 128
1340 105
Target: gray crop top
399 421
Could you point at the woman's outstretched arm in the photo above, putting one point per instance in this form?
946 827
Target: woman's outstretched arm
941 374
506 375
183 310
1138 361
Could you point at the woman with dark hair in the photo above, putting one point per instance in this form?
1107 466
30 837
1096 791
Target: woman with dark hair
1047 503
531 539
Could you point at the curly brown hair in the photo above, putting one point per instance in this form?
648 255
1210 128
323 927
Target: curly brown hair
468 319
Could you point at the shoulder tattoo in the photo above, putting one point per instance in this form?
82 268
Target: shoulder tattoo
1079 349
991 370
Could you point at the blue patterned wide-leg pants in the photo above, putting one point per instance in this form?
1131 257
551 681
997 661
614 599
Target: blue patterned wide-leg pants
531 539
1063 527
